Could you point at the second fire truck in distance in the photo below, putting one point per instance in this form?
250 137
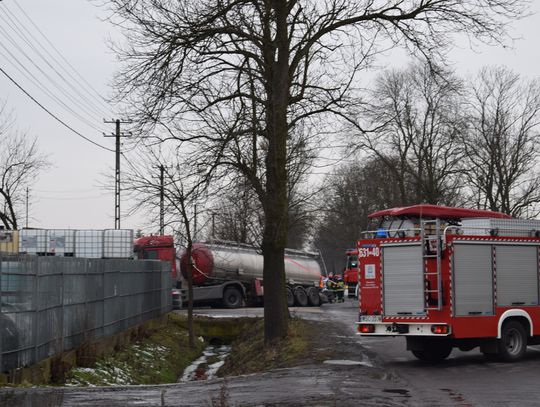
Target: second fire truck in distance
446 277
350 274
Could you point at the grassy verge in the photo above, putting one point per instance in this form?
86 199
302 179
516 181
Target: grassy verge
163 356
250 355
159 358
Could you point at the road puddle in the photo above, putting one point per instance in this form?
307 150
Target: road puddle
207 365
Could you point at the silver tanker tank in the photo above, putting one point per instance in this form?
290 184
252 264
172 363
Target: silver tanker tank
216 262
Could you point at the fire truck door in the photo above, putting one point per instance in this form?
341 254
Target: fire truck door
473 279
403 280
517 275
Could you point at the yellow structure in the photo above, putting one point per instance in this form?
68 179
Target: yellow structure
9 241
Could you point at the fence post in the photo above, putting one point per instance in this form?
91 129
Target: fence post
35 296
1 315
63 310
103 299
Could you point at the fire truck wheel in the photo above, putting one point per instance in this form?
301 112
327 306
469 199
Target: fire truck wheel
313 297
433 352
232 298
300 296
290 297
513 342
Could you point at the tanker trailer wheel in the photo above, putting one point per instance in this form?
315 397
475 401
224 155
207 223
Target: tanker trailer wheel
513 342
300 296
232 298
290 297
313 296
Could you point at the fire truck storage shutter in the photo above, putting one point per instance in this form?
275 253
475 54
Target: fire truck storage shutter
517 275
403 280
473 279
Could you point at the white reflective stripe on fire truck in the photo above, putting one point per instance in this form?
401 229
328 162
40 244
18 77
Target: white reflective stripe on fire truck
473 280
403 280
514 313
517 275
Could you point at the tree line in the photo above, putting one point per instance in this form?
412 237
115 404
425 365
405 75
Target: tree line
436 139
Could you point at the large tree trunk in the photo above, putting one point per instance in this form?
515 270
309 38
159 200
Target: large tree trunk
276 314
189 272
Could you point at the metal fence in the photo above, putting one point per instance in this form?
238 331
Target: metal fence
52 304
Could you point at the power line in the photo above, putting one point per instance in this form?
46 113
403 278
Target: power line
30 76
62 191
17 29
52 114
91 91
74 198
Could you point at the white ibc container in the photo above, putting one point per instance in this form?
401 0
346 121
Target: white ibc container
89 244
117 243
33 241
61 242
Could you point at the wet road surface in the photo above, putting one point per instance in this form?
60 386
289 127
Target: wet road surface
367 372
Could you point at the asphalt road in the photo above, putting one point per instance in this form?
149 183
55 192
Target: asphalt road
368 372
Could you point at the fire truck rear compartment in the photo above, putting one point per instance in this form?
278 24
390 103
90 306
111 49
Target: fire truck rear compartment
403 280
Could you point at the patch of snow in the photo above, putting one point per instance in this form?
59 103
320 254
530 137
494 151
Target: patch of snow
343 362
197 370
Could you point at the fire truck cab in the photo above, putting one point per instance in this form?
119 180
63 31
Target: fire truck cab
350 274
445 277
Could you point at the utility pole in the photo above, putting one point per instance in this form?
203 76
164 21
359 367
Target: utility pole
161 200
194 237
117 135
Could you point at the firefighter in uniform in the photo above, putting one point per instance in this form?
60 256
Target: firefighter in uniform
340 289
330 287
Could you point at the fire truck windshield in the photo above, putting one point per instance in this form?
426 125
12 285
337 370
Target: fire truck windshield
150 255
352 261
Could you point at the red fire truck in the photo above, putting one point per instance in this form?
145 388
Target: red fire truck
350 275
446 277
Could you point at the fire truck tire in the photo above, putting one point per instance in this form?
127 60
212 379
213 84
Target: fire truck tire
300 296
313 297
433 353
290 297
232 298
513 342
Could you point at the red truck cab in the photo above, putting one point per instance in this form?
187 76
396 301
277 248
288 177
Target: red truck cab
157 248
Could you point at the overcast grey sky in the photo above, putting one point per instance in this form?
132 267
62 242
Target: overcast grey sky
68 195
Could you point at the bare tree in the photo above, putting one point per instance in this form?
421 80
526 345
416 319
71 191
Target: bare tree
233 79
20 163
238 216
417 119
181 192
351 193
502 144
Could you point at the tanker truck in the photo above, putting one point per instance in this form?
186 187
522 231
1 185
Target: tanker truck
230 275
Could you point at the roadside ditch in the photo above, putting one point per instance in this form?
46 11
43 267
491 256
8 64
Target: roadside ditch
162 355
165 356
